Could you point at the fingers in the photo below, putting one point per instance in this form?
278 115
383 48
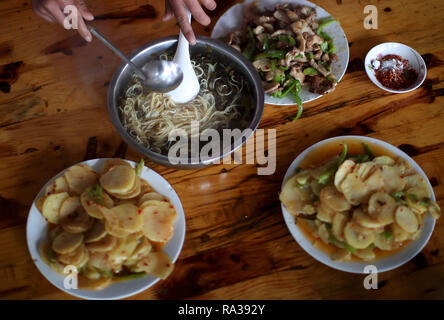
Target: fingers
55 11
182 20
41 11
168 11
197 12
83 30
209 4
86 14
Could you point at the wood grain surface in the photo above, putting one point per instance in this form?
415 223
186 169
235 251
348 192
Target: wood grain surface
53 113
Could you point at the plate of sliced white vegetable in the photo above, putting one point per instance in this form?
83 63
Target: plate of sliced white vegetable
355 201
106 229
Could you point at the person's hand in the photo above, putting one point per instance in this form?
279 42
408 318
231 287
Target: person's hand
177 8
52 11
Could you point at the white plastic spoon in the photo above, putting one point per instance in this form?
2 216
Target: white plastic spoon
189 87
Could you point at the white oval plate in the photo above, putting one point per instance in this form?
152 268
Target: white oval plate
414 58
232 20
384 264
36 231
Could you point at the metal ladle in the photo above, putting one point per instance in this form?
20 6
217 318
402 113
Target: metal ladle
156 75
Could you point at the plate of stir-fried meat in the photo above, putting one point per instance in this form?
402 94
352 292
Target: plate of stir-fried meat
299 49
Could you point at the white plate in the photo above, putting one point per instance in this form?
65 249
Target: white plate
36 231
414 58
232 20
383 264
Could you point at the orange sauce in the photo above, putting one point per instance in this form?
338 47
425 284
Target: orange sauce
324 153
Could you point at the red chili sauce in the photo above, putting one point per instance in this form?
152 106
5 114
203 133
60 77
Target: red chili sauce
394 72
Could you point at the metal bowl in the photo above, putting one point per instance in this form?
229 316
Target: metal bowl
151 50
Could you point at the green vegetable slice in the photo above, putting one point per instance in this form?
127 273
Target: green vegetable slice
327 176
139 167
278 54
323 23
368 150
95 193
310 71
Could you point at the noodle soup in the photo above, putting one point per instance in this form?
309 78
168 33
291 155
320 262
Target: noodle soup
224 102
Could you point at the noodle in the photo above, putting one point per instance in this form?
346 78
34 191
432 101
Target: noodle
222 102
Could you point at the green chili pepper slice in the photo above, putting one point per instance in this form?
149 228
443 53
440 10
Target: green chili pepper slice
310 71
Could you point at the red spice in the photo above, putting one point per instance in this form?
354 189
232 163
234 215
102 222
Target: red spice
171 206
155 212
139 211
394 72
88 202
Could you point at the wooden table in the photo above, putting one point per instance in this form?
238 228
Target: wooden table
53 113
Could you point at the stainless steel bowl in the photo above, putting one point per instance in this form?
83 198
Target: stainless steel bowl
221 52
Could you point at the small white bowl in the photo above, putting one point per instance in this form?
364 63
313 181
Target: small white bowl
36 231
383 264
414 58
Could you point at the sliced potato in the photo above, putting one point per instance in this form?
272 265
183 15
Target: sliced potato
79 177
414 196
134 192
54 232
151 196
124 248
96 232
294 198
68 207
94 284
74 258
344 169
381 207
357 236
385 243
338 225
365 220
157 264
119 179
39 203
406 219
324 213
92 208
99 261
51 206
126 217
57 186
323 233
67 242
48 256
341 255
384 160
366 254
334 199
399 234
435 210
116 231
91 274
145 187
111 163
159 218
142 249
105 244
77 222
